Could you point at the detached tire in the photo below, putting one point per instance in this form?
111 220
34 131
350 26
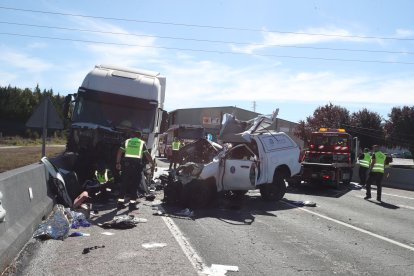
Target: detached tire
276 190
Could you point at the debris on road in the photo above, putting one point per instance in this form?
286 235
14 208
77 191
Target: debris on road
79 234
301 203
122 222
107 233
219 270
86 250
185 213
55 227
153 245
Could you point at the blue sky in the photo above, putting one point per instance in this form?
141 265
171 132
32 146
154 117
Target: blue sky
291 55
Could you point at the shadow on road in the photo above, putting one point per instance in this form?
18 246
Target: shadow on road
385 205
237 210
318 189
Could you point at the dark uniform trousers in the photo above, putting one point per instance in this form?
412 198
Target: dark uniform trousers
131 177
363 175
375 177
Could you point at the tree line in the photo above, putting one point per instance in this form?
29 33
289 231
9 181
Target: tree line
368 126
17 105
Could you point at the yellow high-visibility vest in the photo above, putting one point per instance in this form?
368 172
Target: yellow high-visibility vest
133 148
176 145
364 162
379 162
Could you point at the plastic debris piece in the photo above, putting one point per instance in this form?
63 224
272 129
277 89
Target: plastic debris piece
153 245
86 250
108 233
219 270
79 234
303 203
159 213
122 222
309 203
185 213
55 227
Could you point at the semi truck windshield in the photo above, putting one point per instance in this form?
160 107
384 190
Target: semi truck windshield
115 111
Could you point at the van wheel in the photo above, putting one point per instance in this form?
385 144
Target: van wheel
276 190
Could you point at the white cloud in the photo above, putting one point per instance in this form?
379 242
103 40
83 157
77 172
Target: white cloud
404 33
300 37
209 84
125 53
23 61
6 78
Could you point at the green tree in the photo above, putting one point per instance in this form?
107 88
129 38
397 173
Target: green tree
399 127
368 127
329 115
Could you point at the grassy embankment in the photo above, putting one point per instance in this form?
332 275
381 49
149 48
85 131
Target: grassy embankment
28 151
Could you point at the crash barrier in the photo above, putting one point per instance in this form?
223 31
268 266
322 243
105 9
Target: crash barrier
399 178
25 201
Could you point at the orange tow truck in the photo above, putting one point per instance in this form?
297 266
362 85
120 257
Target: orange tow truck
330 158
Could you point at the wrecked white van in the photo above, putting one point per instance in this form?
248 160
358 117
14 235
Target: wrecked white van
256 158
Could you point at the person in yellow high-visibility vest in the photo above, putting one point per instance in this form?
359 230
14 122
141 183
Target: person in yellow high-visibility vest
376 172
131 154
363 161
175 146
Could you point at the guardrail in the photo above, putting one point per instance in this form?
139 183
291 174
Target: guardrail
398 178
26 202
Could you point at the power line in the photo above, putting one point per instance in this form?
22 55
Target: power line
207 51
205 40
202 26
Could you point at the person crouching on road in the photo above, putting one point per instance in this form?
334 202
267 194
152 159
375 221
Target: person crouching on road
132 166
363 161
376 172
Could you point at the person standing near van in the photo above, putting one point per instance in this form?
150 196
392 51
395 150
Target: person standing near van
364 160
376 172
176 145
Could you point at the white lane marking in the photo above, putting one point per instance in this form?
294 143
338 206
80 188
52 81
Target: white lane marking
398 205
185 245
398 196
191 254
354 227
405 206
374 191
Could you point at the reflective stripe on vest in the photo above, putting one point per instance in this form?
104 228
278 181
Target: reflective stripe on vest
102 178
365 161
379 162
176 145
133 148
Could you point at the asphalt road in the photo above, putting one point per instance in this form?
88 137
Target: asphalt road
343 235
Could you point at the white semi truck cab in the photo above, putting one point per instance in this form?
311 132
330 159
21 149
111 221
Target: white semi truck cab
111 101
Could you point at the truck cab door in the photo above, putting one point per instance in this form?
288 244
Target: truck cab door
239 169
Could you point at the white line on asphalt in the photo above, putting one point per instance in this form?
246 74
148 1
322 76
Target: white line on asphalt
405 206
401 206
185 245
398 196
406 197
354 227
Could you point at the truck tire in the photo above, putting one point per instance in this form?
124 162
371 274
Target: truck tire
276 190
348 181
